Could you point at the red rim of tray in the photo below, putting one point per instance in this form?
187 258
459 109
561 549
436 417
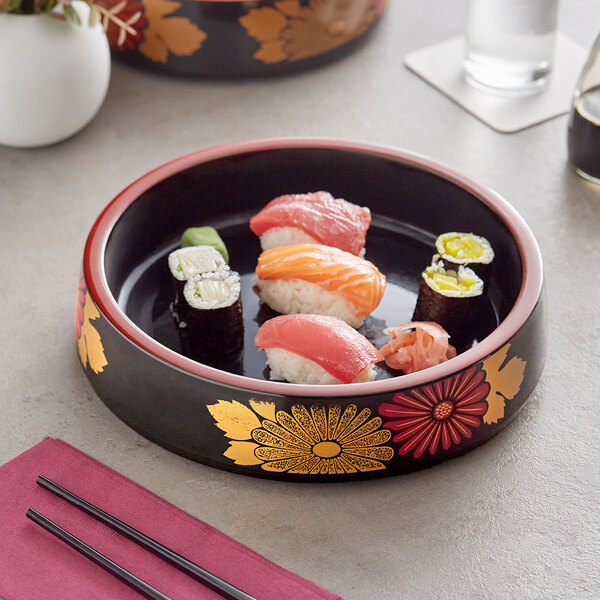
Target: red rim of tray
527 299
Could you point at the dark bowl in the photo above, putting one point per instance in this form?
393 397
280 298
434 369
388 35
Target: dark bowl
238 39
233 417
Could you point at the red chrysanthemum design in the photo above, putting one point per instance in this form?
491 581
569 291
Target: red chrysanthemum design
79 304
442 412
123 21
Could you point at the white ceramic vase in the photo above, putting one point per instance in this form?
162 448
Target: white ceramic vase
53 77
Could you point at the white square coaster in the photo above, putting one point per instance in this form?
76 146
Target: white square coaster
441 66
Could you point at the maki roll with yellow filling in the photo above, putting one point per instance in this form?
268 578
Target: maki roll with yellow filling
211 313
451 298
466 249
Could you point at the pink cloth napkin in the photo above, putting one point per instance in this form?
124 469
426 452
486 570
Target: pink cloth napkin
35 565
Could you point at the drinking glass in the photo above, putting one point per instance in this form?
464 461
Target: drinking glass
510 45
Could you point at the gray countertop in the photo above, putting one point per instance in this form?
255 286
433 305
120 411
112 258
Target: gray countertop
516 518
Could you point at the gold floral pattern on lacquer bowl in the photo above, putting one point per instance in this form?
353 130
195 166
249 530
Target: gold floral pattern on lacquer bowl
334 440
314 440
235 39
87 339
233 416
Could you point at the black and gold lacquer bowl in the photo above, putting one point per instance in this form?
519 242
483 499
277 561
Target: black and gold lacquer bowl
237 38
231 415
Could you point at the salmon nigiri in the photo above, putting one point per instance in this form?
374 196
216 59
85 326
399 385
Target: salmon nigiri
316 217
316 349
311 278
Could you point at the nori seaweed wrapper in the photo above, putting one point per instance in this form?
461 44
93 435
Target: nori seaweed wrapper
458 315
213 335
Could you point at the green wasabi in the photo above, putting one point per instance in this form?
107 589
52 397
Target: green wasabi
204 236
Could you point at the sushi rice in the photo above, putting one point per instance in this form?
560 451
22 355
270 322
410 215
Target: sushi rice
293 296
284 236
292 367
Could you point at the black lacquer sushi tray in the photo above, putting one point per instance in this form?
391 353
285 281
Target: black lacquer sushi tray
230 414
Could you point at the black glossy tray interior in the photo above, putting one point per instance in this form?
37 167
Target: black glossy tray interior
410 208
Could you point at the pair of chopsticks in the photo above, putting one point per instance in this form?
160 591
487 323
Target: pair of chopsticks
225 589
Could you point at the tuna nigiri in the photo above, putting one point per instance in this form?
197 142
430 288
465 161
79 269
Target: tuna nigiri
416 346
316 349
316 217
311 278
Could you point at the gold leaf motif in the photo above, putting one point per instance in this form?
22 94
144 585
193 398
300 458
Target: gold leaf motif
291 8
165 34
289 31
265 409
90 312
264 24
505 382
242 453
89 344
271 52
235 419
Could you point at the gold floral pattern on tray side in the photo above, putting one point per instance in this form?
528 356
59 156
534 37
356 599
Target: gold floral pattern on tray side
505 378
166 34
307 441
289 31
87 338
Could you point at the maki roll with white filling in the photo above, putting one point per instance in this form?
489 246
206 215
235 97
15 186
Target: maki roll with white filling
451 298
211 313
187 262
192 260
466 249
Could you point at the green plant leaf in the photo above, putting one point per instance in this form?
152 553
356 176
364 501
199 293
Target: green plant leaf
71 15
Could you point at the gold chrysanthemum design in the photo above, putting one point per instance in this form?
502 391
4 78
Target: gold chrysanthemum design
315 441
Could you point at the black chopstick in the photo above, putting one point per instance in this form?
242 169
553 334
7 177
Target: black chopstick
123 574
225 589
